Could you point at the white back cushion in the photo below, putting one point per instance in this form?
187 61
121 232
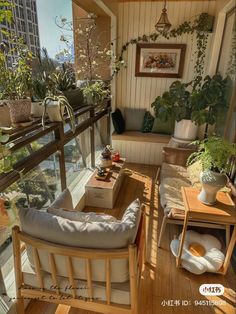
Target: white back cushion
93 235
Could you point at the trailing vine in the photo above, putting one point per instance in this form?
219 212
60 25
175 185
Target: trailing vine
201 26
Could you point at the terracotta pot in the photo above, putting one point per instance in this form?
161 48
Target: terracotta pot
37 109
5 119
20 110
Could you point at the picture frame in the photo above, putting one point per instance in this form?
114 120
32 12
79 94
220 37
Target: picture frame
160 60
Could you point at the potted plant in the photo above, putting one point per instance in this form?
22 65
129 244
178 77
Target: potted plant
15 83
39 92
192 107
177 103
214 153
64 82
96 92
55 107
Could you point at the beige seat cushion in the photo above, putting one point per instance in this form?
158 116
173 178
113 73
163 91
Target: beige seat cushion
170 193
173 171
120 293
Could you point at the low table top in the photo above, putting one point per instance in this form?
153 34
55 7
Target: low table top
110 181
223 211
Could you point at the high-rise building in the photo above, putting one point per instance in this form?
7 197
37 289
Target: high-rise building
25 25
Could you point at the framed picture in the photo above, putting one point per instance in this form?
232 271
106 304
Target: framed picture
160 60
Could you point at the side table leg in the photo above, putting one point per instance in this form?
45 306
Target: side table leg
229 251
178 261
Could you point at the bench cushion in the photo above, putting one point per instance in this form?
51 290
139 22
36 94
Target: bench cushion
137 136
170 193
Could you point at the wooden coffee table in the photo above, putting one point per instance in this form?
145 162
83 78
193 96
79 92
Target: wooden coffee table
223 212
104 193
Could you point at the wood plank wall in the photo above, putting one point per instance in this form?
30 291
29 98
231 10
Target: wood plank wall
138 18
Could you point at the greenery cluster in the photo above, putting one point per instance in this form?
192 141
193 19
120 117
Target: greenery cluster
204 105
97 91
201 26
15 81
214 153
5 14
63 80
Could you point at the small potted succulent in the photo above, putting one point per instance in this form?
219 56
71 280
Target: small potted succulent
15 83
214 153
55 107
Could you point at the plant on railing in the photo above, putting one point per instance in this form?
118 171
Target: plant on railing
96 92
55 107
15 81
201 26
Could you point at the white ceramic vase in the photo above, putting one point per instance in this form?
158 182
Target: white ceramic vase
211 182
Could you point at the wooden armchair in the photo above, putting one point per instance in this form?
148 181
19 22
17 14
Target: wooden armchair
134 254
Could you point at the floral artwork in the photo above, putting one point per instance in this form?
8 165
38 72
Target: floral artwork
160 60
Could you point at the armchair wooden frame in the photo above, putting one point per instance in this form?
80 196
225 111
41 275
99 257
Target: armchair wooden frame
134 253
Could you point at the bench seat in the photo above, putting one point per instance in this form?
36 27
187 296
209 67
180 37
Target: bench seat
138 147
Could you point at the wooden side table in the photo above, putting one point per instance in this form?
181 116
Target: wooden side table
104 193
223 212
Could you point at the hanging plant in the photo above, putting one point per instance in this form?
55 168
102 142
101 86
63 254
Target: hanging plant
202 25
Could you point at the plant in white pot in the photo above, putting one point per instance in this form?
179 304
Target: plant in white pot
191 107
64 81
55 107
214 153
15 82
95 93
39 92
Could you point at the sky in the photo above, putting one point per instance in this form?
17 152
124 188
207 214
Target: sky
48 31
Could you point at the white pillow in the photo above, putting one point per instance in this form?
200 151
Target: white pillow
81 216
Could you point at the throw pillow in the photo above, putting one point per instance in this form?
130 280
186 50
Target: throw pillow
75 215
118 121
64 200
148 121
134 119
163 127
